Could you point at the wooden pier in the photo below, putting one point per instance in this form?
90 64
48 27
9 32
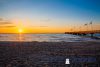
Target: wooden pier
84 33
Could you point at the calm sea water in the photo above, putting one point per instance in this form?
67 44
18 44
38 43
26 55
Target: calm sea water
44 37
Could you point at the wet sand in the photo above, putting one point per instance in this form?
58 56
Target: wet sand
49 54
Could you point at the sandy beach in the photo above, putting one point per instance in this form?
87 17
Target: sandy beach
49 54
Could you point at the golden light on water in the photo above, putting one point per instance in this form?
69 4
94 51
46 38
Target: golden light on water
20 31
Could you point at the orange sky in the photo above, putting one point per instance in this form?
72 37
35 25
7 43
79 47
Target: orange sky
15 27
32 30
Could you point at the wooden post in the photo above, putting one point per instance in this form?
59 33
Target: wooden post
92 34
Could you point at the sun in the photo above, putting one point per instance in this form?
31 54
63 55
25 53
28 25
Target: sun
20 30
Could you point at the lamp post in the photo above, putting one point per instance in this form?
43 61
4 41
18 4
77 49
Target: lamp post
91 26
91 29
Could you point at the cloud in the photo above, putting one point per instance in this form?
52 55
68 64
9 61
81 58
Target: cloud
4 22
1 19
11 26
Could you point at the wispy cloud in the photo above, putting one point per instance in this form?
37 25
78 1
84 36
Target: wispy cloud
7 26
4 22
1 19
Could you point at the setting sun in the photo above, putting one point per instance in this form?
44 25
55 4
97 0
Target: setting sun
20 30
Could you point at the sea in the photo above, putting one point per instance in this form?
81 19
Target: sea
47 37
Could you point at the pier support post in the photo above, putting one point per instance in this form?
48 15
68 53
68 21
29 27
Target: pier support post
92 34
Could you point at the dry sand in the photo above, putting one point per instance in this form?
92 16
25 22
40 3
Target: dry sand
49 54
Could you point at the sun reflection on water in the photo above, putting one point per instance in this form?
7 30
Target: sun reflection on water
21 37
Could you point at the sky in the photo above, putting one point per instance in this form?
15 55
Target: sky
48 16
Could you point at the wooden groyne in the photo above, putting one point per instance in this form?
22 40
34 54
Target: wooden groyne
84 33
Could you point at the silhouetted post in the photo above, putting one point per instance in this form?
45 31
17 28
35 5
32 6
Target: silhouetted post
91 29
91 26
92 34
